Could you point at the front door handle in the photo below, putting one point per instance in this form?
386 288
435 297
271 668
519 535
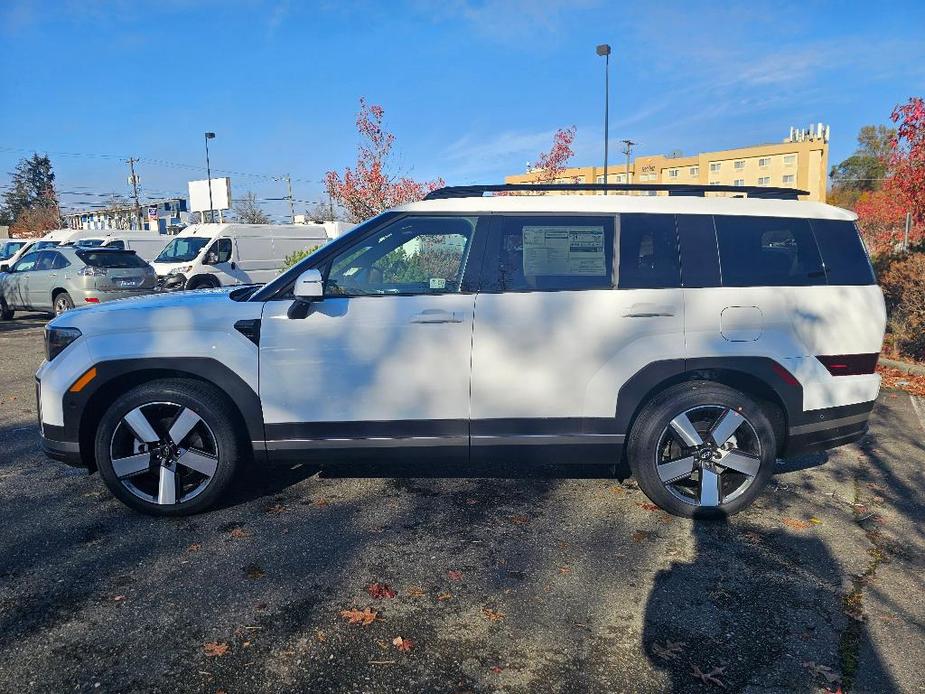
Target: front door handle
647 310
435 315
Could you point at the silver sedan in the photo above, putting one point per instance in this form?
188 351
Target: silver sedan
58 279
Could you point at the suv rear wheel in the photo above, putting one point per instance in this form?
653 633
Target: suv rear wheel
702 450
63 302
168 447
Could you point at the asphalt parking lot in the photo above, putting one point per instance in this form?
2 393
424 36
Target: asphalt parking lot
559 579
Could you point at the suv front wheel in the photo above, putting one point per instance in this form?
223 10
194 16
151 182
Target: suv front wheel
702 450
168 447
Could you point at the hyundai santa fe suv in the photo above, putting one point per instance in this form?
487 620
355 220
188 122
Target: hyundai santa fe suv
696 338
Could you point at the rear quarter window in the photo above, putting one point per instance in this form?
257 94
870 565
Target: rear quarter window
843 252
111 259
767 252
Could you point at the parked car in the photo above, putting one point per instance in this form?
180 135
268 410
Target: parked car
57 279
148 245
10 247
696 338
30 244
220 255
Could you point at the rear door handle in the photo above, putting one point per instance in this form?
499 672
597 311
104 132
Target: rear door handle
435 315
647 310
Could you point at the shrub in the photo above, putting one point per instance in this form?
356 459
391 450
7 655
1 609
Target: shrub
903 283
294 258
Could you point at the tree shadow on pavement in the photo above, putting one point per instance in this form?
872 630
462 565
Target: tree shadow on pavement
756 610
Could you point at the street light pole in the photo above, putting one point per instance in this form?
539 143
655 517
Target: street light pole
209 136
604 50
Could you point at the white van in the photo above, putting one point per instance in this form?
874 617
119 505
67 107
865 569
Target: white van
216 255
146 244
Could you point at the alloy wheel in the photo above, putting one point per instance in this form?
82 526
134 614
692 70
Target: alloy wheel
61 305
708 455
164 453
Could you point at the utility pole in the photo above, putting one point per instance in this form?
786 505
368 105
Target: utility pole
133 179
291 208
628 151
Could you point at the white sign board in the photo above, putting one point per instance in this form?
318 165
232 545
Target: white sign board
199 195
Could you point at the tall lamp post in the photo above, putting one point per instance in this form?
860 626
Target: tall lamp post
209 136
604 50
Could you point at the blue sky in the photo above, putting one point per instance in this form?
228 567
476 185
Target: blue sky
472 90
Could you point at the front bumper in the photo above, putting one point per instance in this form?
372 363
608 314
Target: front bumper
54 439
173 282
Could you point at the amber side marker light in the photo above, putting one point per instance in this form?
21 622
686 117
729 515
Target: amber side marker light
81 382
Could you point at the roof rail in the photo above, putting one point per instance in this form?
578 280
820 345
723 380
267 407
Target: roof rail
688 189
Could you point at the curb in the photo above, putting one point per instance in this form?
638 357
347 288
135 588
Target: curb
915 369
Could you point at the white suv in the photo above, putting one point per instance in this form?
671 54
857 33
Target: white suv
696 338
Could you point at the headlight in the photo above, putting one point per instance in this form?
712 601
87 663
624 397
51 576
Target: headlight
56 339
181 270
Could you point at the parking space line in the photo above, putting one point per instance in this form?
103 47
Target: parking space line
918 410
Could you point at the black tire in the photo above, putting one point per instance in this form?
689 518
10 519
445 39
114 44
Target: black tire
6 313
653 436
221 432
62 302
204 282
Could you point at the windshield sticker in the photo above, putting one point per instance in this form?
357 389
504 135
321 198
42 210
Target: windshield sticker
437 283
563 250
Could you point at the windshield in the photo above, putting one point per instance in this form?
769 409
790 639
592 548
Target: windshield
8 249
89 243
44 244
182 249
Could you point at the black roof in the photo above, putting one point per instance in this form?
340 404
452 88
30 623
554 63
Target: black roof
686 189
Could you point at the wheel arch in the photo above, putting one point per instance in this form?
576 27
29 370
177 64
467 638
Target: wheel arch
204 280
760 377
83 411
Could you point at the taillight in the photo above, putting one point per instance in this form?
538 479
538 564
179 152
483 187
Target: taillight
850 364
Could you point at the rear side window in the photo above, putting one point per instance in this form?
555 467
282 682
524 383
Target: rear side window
118 244
699 258
552 253
767 252
648 252
111 259
843 252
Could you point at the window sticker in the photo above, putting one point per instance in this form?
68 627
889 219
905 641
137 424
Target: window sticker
561 250
437 283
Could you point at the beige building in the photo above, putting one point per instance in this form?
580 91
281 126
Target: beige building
801 161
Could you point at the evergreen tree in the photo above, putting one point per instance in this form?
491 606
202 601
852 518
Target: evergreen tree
32 185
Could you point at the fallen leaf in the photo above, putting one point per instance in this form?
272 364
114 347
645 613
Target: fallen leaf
670 651
823 671
253 572
616 489
365 616
445 596
795 524
119 598
214 649
321 636
709 677
649 507
520 520
415 592
565 569
497 670
454 575
195 547
815 521
276 509
380 591
401 644
640 535
320 502
752 537
492 615
239 533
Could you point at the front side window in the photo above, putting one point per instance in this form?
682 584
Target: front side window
45 261
551 253
767 252
414 255
648 252
26 263
220 252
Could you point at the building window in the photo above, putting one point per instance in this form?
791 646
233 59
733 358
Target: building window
764 162
714 166
790 159
739 165
621 178
600 179
789 179
739 182
764 180
672 173
694 171
714 183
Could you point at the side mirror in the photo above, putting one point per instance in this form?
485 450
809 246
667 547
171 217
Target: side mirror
4 267
309 285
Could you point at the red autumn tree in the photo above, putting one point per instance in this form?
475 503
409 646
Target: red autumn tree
369 188
550 165
882 218
907 161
